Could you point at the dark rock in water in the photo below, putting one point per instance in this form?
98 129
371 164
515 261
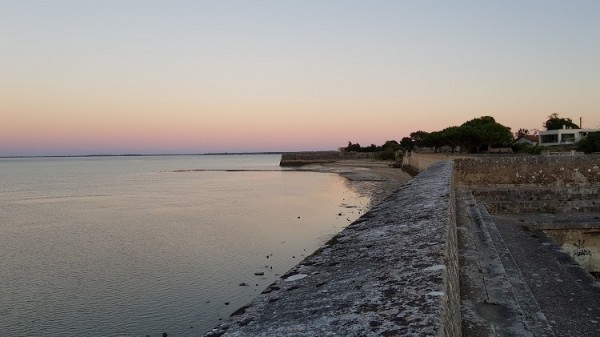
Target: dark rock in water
243 284
240 311
298 217
267 256
164 334
293 257
226 303
259 273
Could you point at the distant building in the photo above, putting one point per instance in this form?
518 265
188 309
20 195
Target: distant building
563 136
527 139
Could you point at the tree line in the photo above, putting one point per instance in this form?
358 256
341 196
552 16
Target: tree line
474 136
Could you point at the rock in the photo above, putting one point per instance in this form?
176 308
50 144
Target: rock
226 303
243 284
259 273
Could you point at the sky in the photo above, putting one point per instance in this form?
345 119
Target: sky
175 76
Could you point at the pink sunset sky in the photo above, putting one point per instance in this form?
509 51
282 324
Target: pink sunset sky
131 76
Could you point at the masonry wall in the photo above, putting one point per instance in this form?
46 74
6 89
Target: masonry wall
551 171
393 272
533 184
415 162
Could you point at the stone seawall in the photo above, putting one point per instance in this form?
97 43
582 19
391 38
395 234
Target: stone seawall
393 272
415 162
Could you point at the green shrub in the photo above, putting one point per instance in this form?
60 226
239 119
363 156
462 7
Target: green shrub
534 149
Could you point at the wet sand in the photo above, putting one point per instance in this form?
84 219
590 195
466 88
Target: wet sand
375 179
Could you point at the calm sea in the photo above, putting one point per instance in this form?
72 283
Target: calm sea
125 246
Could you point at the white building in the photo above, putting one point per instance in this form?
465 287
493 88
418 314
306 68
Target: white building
563 136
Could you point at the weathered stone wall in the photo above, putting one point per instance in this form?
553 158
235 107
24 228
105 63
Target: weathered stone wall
305 158
555 171
393 272
532 184
415 162
523 199
451 320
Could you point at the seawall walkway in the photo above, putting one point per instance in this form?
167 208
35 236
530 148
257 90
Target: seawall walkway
393 272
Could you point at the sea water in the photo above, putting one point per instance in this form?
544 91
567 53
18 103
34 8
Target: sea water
136 246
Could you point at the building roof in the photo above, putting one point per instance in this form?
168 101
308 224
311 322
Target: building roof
530 138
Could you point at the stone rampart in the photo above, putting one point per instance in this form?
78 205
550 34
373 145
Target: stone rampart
533 184
393 272
554 171
524 199
415 162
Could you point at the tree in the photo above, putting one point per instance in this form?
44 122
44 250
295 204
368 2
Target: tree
407 144
418 137
387 151
483 120
452 137
391 144
495 134
434 139
589 144
554 123
484 130
521 133
353 147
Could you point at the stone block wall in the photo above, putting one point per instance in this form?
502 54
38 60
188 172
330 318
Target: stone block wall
499 200
451 319
555 171
415 162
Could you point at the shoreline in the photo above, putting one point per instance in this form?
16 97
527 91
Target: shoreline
382 275
375 179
